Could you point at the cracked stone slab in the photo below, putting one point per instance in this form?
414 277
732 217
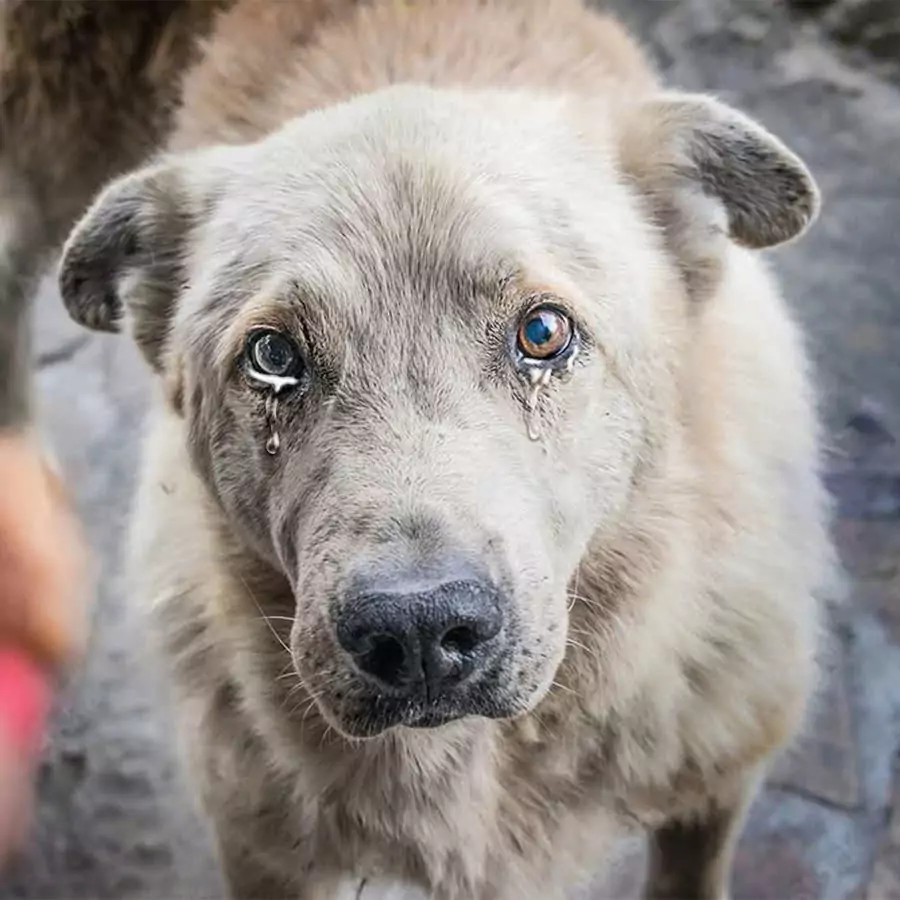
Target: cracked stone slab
885 884
869 550
53 330
863 472
882 599
872 26
824 763
62 352
774 864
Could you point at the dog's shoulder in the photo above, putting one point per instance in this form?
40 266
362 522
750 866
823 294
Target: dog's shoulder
267 62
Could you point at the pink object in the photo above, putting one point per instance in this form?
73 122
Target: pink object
25 696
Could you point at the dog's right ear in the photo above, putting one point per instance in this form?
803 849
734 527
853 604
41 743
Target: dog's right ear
124 261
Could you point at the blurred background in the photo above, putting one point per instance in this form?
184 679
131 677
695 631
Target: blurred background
114 821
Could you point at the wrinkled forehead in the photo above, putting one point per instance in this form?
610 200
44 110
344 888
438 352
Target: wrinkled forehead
408 207
362 234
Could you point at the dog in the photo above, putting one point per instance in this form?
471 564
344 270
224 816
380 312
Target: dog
479 519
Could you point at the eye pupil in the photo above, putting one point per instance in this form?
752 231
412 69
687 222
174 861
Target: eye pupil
273 354
544 333
540 329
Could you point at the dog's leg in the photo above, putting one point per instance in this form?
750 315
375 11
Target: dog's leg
246 877
691 859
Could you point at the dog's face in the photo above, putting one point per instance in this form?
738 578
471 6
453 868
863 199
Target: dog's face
423 344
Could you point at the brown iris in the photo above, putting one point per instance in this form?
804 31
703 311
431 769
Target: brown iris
544 333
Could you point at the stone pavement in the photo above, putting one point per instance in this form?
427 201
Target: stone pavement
113 821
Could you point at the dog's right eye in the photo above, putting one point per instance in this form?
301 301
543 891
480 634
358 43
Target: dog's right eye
544 333
271 356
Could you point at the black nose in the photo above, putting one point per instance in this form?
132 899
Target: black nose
433 639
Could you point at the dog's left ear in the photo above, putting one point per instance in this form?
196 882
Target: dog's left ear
124 261
706 166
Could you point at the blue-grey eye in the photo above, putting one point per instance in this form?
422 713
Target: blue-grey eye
544 332
271 353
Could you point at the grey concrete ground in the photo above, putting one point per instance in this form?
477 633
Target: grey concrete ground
115 822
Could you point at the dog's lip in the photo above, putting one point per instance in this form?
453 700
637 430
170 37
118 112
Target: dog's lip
363 728
435 718
401 715
420 716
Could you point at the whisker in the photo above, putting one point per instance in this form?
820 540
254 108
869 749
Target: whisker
593 652
564 687
307 707
573 594
571 642
299 686
587 601
265 618
329 728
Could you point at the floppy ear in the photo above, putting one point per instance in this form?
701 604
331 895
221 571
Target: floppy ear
709 171
124 260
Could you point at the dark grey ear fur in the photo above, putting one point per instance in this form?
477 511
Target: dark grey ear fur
675 145
124 258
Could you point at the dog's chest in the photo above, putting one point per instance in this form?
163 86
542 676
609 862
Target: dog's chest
377 888
463 820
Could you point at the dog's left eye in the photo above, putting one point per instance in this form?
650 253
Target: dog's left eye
270 353
544 333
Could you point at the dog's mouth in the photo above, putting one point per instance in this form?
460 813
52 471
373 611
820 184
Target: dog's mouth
372 717
365 712
425 660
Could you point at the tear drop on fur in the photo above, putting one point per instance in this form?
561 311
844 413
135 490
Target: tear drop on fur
276 382
274 441
540 378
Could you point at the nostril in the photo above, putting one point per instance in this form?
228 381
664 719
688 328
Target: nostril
385 659
461 639
432 639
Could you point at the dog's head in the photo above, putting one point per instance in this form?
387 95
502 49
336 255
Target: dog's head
423 344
